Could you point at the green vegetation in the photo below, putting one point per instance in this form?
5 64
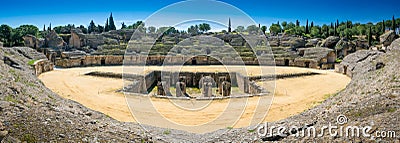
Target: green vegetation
111 23
13 37
167 132
371 31
31 62
28 138
10 98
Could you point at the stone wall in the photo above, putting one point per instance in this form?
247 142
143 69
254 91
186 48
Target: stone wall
42 66
89 60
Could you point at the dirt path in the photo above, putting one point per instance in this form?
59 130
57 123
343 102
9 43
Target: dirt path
292 96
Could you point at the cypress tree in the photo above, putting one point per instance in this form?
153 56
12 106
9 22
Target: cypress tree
370 36
92 27
106 27
49 28
312 25
337 23
327 32
307 27
111 23
44 27
334 31
383 26
229 26
297 23
393 24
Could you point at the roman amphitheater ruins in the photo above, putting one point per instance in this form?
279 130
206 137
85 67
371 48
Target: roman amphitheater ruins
209 73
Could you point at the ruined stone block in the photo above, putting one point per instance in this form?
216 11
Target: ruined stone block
226 88
180 89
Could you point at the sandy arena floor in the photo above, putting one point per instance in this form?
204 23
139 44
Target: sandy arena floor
292 96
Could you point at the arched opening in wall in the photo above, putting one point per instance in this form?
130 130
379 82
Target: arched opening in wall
286 62
82 63
344 69
301 53
194 61
307 64
331 57
103 61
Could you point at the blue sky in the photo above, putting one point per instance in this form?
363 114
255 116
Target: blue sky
78 12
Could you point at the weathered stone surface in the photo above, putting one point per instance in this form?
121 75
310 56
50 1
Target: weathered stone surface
1 44
330 42
79 40
206 84
54 41
394 46
180 88
351 64
42 66
344 47
387 38
297 42
226 88
361 44
33 42
237 41
312 42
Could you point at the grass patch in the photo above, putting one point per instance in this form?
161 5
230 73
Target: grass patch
229 128
391 110
28 138
31 62
10 98
167 132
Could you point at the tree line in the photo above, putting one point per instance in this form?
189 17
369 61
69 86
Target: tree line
346 29
13 36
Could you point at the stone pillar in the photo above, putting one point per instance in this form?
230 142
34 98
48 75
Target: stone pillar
220 81
226 87
180 89
160 89
206 84
166 83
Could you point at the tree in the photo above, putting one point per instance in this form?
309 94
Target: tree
106 27
264 28
83 29
123 26
194 29
252 29
111 23
167 30
315 32
151 29
5 35
204 27
312 25
100 28
393 24
136 25
284 24
370 36
92 27
21 31
240 29
383 26
275 29
362 30
297 23
307 30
